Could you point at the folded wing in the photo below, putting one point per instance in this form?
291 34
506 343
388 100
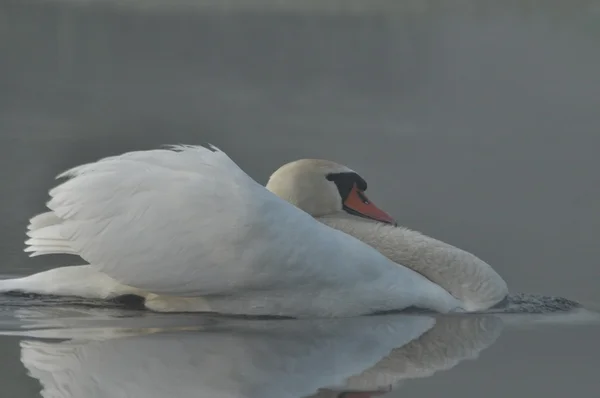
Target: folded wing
185 221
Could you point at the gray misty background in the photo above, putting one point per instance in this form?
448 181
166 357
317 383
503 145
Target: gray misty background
476 122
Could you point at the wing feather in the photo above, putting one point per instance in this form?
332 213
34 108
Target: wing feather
184 220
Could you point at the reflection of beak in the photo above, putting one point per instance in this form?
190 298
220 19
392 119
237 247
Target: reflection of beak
358 204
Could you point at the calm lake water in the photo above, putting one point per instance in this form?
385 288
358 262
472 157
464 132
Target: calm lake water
476 122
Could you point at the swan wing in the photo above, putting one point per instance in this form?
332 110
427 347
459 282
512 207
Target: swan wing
184 221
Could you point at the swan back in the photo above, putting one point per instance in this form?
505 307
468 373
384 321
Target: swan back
461 273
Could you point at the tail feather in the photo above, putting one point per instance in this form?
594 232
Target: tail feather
48 242
44 231
43 220
51 232
40 251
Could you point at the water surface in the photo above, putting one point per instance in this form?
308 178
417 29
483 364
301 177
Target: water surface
475 122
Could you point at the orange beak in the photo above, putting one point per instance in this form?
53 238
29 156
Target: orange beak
358 204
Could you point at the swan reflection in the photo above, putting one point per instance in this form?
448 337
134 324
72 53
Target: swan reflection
344 358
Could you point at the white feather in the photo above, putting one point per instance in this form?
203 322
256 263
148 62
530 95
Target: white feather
43 220
78 280
464 275
45 238
187 221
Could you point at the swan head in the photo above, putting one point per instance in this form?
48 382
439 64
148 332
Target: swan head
321 188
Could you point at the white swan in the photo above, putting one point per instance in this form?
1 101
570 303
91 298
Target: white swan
192 228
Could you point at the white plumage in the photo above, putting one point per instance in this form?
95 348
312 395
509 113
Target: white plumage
188 222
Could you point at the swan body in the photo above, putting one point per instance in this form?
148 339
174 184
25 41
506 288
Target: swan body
187 227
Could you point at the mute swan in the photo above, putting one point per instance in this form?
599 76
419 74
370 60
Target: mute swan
187 229
465 276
